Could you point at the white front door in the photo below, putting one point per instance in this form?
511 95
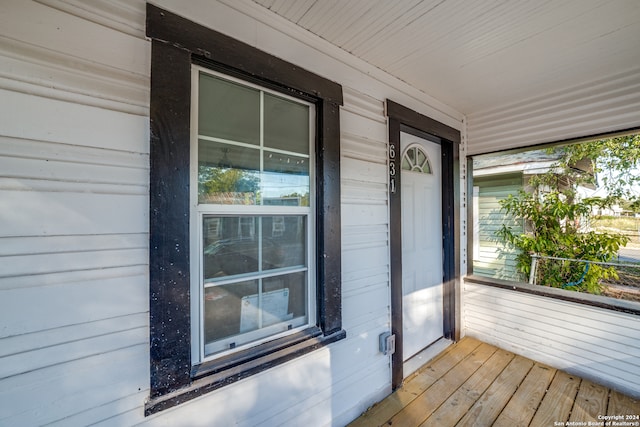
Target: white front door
422 258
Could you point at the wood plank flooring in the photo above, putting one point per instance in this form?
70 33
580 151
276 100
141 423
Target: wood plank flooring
476 384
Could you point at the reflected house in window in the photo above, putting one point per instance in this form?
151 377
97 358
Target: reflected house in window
495 177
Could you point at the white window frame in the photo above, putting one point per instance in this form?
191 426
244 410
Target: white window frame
197 212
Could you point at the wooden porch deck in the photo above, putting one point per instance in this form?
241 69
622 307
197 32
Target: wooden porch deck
474 383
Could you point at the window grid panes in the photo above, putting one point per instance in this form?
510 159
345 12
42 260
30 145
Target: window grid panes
254 213
267 163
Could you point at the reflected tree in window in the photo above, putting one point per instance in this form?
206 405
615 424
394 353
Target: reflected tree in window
215 182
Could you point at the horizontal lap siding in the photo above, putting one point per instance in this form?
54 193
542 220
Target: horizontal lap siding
599 344
365 255
588 108
74 168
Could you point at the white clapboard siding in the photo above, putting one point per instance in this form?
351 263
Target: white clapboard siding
592 108
121 15
64 390
40 119
599 344
74 166
53 53
96 297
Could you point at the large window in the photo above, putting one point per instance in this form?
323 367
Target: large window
244 248
562 218
251 185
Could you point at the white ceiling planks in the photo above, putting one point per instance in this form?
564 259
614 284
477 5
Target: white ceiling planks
478 55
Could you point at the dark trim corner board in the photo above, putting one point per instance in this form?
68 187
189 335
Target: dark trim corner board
177 43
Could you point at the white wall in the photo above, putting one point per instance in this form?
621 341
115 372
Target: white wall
599 344
74 144
607 105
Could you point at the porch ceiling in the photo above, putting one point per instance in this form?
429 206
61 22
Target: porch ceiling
480 54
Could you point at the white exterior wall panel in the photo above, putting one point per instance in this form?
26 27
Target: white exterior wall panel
74 218
74 165
592 108
594 343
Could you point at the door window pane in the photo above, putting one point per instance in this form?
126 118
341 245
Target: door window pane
228 110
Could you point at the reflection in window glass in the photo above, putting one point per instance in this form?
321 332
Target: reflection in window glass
286 180
254 155
228 110
227 174
294 284
233 249
283 241
229 160
286 125
275 261
222 308
232 246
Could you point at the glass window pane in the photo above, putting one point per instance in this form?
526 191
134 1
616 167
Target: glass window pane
295 285
230 246
227 174
228 110
286 124
223 310
421 158
285 180
234 313
427 167
411 154
283 241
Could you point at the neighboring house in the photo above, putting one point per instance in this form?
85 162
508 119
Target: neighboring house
216 212
491 257
495 177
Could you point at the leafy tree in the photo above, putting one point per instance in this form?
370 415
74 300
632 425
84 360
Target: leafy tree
554 214
214 180
615 162
554 230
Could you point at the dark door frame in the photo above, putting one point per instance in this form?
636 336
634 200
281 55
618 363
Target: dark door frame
403 119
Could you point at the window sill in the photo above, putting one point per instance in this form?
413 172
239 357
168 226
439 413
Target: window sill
215 374
599 301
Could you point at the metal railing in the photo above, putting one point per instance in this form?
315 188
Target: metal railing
621 281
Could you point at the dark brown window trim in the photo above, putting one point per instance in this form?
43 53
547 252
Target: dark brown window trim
177 43
209 376
599 301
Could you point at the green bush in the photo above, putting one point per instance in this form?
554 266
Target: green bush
553 229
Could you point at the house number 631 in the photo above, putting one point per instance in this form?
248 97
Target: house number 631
392 168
